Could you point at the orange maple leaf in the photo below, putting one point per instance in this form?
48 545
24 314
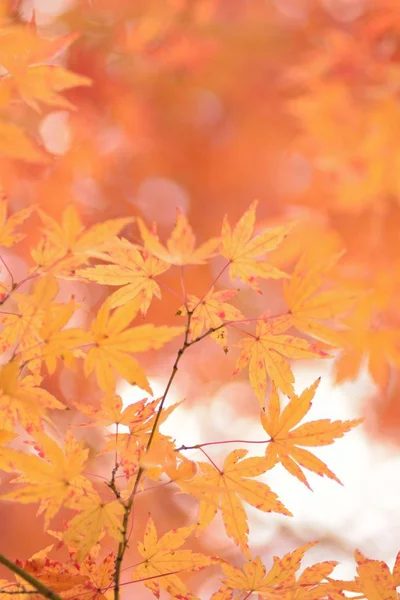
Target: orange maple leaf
286 437
97 577
21 53
15 143
162 561
245 252
374 579
210 312
58 576
180 248
134 272
264 352
43 82
226 488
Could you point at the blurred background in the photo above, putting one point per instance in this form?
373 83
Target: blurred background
206 105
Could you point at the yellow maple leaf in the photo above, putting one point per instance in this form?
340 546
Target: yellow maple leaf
245 252
288 437
68 245
113 344
254 578
22 400
225 489
280 581
54 342
132 271
94 516
180 247
265 353
8 225
162 561
54 478
24 325
309 305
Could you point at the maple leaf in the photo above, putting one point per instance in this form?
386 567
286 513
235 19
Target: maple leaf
368 336
94 516
43 82
140 418
113 344
59 577
180 249
286 442
245 252
280 581
8 236
21 47
253 578
308 305
21 52
54 478
162 561
134 272
264 352
374 580
210 312
96 577
226 488
22 400
54 342
68 245
23 326
15 143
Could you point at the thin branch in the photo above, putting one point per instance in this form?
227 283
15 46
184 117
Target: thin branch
8 271
38 585
211 285
128 506
200 446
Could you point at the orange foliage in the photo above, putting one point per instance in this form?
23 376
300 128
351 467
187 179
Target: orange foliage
104 129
